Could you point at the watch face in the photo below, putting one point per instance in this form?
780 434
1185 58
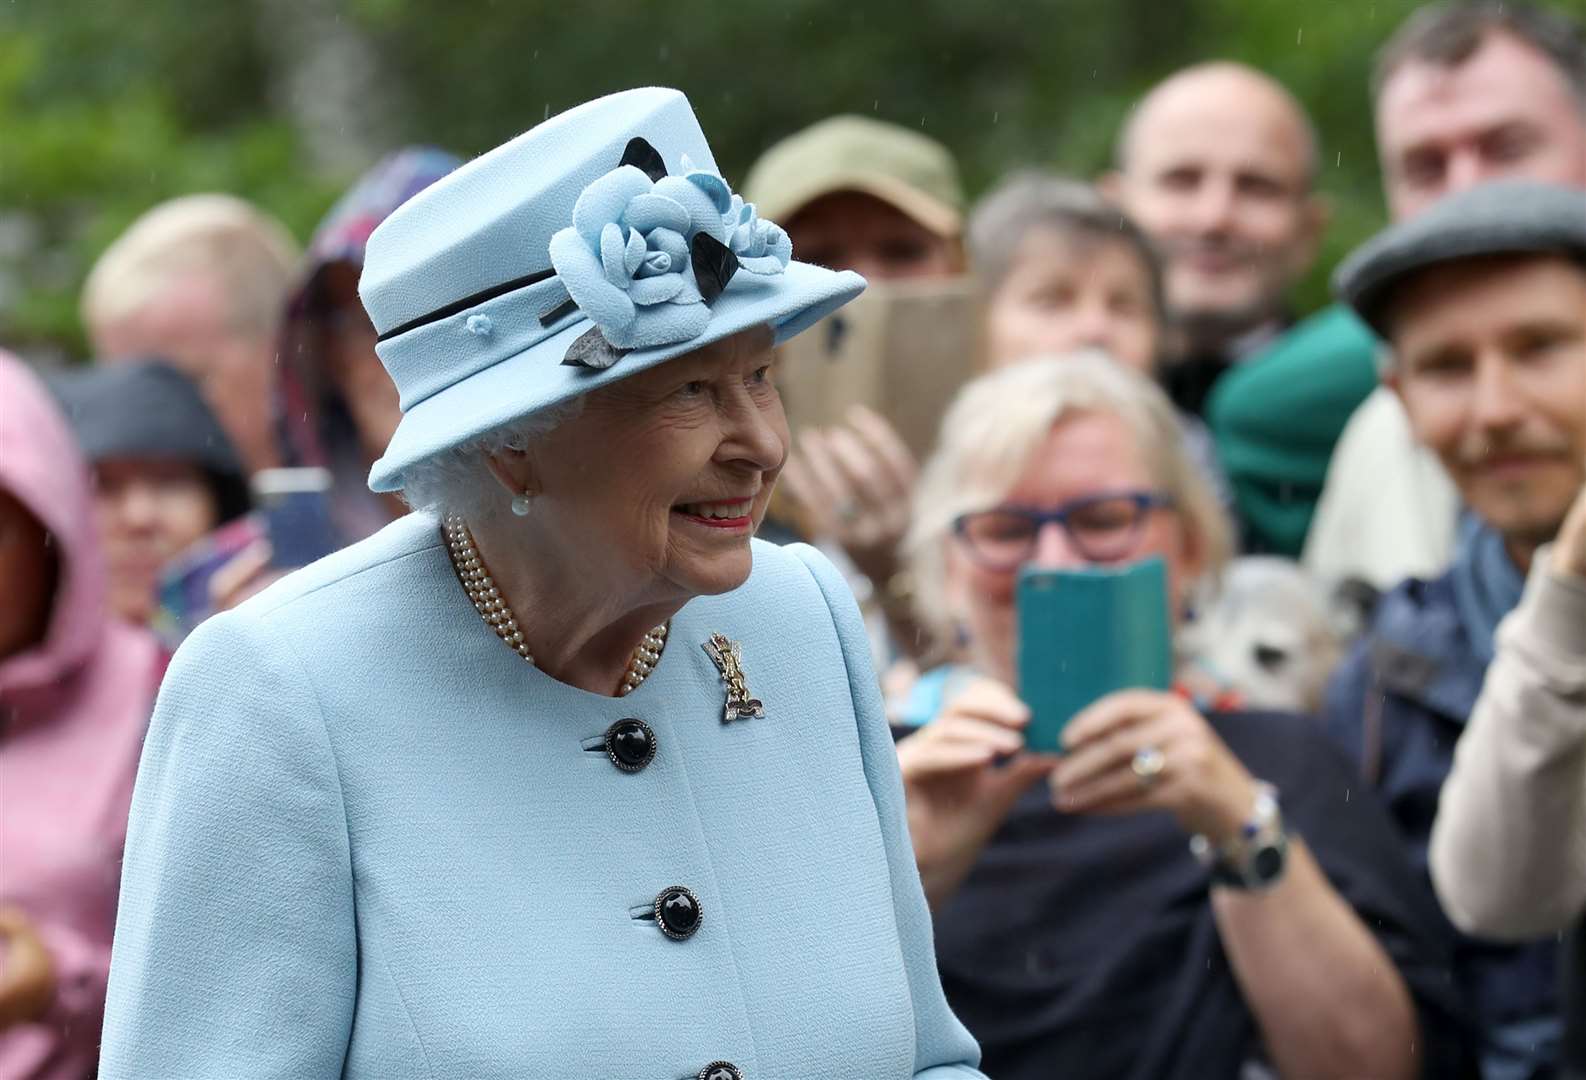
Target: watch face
1266 863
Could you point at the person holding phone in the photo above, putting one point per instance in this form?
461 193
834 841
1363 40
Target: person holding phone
166 477
1191 892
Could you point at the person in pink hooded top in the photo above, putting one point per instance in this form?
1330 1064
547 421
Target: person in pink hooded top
76 689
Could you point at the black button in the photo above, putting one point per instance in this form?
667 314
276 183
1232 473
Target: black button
630 744
720 1070
677 913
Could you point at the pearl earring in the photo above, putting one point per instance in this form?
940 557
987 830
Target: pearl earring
520 504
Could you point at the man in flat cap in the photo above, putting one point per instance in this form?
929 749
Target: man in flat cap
1482 299
1462 93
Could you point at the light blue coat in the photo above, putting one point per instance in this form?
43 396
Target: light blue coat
369 841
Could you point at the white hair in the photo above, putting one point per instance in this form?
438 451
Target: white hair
248 254
458 479
998 420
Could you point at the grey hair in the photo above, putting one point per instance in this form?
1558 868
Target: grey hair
995 424
1032 199
1447 35
458 481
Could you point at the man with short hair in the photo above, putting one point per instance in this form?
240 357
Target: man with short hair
1464 93
200 281
1218 165
1482 300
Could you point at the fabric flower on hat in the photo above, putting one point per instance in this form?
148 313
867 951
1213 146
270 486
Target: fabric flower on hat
625 261
762 246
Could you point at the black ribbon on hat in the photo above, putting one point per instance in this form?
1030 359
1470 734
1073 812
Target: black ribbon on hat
713 263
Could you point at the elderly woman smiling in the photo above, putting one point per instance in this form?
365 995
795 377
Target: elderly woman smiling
1078 934
564 774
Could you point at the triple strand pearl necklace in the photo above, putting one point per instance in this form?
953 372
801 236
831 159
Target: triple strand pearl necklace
492 606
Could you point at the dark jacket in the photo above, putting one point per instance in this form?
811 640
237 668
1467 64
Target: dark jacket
1086 946
1397 706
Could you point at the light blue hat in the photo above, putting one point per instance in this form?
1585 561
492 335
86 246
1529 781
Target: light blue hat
595 246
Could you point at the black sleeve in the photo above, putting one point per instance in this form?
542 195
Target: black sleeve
1325 802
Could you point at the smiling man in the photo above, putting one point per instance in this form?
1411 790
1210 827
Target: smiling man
1217 165
1464 93
1482 299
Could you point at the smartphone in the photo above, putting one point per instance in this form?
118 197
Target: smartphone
295 505
1086 632
185 595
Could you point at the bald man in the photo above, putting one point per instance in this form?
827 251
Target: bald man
1218 164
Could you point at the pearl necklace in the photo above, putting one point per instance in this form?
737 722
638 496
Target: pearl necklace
492 606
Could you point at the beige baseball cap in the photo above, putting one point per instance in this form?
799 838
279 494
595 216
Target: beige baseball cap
903 168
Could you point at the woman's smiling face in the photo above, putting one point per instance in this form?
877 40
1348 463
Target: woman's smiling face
659 483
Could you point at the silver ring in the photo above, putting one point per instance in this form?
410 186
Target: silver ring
1148 764
848 512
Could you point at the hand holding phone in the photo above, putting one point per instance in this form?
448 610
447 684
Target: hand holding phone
962 774
1086 632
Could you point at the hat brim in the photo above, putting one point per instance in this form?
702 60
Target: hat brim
939 217
536 378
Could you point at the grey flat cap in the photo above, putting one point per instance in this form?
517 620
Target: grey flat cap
1505 217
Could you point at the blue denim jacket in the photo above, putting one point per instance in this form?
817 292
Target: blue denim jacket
1398 704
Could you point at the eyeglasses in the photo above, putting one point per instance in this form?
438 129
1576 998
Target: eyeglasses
1103 528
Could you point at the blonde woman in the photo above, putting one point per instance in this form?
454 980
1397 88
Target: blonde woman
1077 933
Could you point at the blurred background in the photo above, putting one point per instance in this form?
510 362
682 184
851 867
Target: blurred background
108 106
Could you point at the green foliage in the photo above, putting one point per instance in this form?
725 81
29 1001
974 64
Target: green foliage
95 131
107 106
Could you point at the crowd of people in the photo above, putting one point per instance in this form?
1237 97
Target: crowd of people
269 814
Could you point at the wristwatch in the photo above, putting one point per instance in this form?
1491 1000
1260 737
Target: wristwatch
1254 860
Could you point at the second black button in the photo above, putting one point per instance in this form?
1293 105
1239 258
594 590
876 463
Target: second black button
677 913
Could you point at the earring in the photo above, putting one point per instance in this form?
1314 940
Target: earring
520 504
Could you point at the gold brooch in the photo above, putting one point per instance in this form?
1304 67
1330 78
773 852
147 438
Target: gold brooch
729 661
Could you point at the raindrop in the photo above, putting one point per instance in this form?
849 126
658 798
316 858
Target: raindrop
547 115
994 117
662 53
1339 164
1299 35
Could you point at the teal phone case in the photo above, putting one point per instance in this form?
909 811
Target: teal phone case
1085 633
